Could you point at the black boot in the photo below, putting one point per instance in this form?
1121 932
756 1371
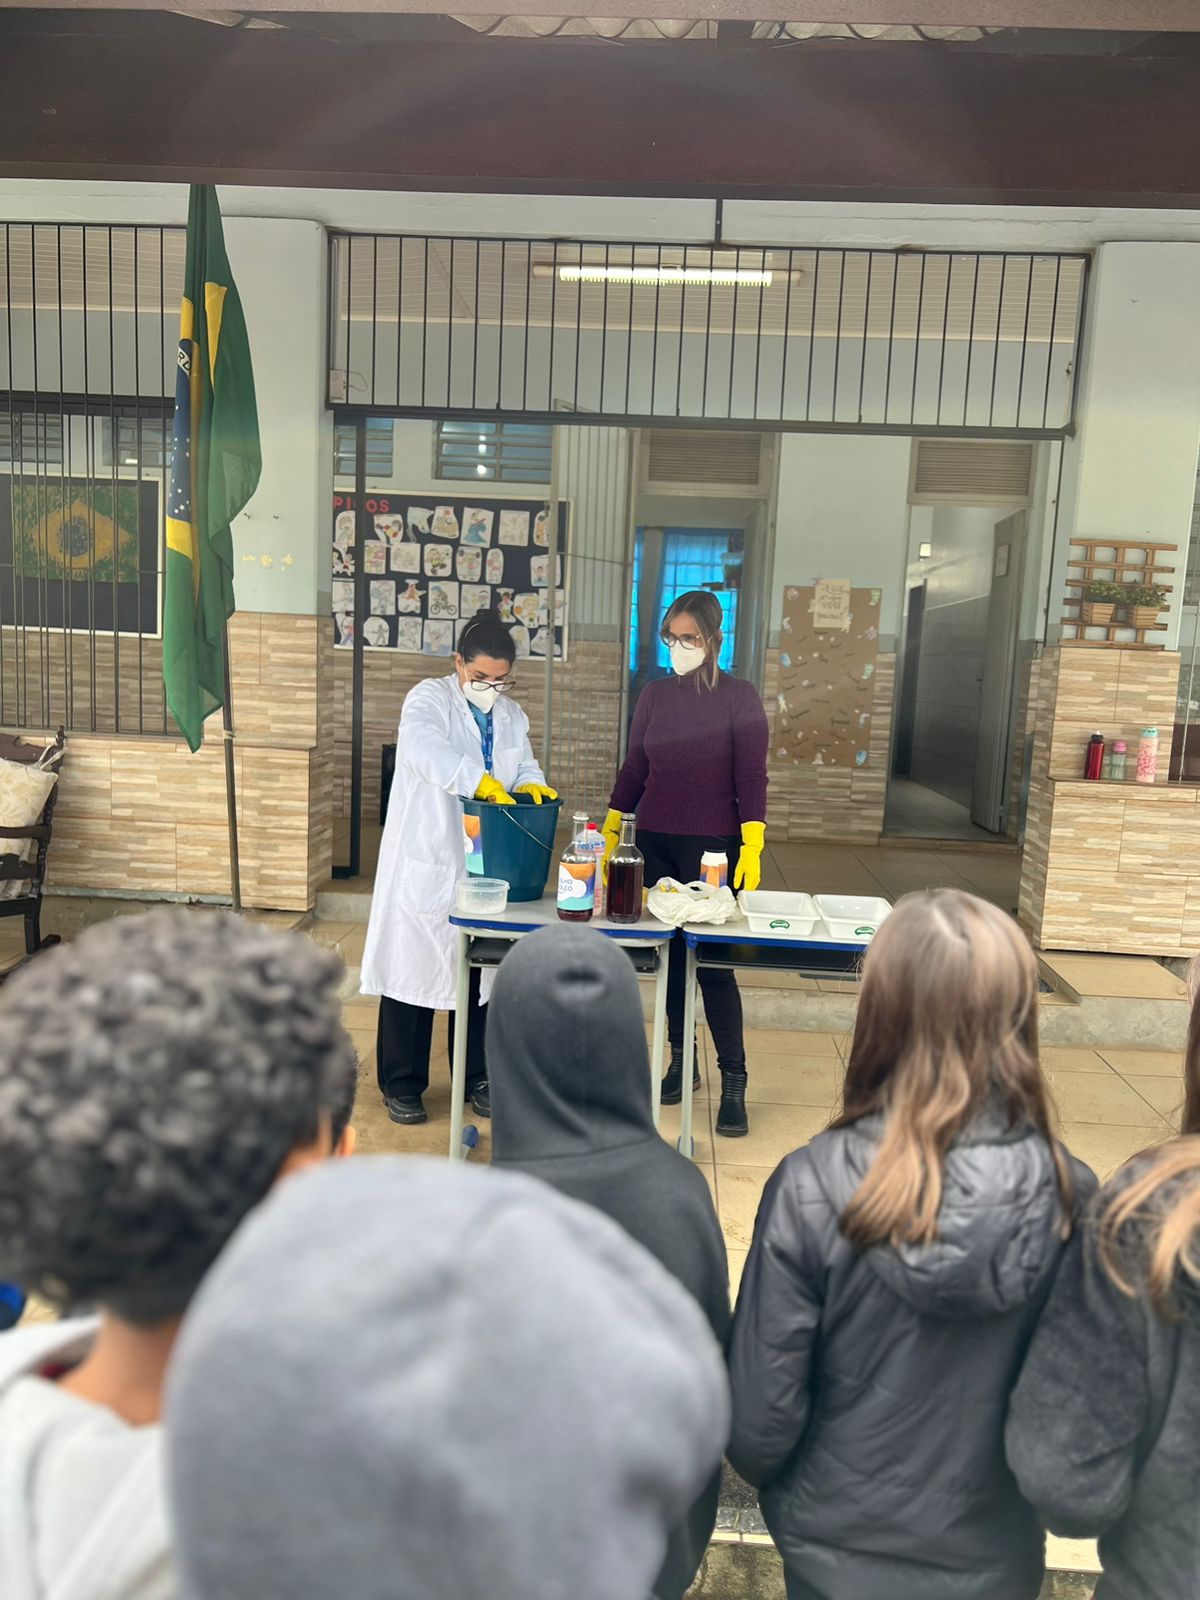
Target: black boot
672 1084
731 1116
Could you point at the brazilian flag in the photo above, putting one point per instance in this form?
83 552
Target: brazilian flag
214 471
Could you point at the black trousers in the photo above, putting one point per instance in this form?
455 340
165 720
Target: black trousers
677 855
404 1037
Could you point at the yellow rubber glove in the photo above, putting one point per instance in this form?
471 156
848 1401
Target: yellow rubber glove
612 833
748 872
492 789
537 792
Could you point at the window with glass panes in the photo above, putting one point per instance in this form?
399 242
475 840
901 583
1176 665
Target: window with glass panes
380 443
150 453
493 452
29 437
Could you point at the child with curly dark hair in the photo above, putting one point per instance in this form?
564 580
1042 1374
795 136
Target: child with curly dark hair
157 1077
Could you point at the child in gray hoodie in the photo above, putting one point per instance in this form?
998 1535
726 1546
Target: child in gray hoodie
157 1077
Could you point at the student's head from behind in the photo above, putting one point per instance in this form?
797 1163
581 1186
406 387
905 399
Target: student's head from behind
322 1366
157 1076
1150 1226
946 1027
343 1092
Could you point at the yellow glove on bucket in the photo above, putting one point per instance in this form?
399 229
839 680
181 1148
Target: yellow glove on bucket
748 872
492 789
537 792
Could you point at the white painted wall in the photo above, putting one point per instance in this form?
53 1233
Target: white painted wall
843 513
749 222
281 542
1130 473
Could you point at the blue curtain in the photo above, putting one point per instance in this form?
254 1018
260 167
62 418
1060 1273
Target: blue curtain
692 559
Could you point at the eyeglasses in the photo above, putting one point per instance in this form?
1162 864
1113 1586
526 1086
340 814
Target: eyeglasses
501 685
690 641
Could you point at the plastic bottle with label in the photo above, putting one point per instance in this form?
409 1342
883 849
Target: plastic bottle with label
577 875
594 841
1147 756
714 869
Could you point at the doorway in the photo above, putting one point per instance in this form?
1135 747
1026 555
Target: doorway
950 776
668 562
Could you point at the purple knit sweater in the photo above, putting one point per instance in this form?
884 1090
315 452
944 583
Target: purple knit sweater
697 761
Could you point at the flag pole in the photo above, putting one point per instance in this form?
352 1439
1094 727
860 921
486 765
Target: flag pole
235 871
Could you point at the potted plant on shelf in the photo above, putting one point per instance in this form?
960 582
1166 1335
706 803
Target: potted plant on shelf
1143 602
1100 600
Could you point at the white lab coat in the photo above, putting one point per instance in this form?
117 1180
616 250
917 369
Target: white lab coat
411 947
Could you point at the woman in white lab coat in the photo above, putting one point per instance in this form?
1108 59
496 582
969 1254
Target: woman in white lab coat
459 735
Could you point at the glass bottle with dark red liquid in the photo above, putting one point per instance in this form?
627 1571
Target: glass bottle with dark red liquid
626 874
577 875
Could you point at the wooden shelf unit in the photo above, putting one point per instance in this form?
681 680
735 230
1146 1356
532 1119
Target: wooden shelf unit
1143 568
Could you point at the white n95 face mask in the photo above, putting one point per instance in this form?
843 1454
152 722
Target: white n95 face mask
686 658
483 695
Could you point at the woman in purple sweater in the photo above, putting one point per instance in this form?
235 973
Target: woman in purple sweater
696 775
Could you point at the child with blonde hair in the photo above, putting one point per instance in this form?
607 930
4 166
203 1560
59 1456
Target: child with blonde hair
899 1265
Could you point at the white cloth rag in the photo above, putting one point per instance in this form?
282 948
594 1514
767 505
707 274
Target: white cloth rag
676 903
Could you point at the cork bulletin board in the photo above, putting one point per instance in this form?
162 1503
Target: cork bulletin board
828 648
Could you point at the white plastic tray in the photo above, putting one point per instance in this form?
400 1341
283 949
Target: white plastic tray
772 911
851 916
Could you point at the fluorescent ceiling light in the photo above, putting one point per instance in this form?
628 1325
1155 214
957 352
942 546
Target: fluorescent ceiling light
672 277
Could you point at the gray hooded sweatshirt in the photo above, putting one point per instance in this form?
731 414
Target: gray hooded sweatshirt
870 1386
567 1057
408 1379
82 1501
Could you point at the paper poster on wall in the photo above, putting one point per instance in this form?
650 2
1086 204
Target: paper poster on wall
831 605
429 567
826 693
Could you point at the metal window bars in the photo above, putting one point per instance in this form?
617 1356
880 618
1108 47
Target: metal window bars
88 340
824 339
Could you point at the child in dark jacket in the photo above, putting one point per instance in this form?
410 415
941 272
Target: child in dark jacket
1104 1427
567 1059
898 1268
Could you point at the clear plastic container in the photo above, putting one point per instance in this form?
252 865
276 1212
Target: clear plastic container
850 916
773 911
477 897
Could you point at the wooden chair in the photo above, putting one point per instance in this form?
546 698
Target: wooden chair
27 902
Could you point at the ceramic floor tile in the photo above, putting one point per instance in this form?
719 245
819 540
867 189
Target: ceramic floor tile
796 1080
1116 977
739 1190
775 1131
737 1265
1105 1148
1094 1097
1071 1555
701 1130
327 934
1068 1058
350 948
789 1042
775 980
1164 1094
1142 1063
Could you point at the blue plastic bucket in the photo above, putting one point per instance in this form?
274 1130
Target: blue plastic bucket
515 843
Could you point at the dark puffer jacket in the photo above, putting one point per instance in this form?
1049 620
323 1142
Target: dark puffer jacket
870 1387
1104 1427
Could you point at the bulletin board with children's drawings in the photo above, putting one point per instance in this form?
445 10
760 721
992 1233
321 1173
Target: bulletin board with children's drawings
431 563
828 648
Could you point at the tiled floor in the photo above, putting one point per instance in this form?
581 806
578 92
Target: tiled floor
915 812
